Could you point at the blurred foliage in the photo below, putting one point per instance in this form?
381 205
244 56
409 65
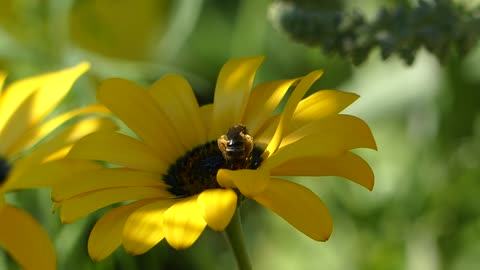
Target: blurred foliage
440 26
423 214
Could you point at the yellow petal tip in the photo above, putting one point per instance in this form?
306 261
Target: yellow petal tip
84 66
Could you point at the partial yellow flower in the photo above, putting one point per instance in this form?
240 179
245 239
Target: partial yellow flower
24 146
190 166
126 30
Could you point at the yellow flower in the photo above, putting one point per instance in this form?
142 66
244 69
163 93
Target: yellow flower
181 178
23 107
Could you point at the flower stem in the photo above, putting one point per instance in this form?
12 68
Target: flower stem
234 234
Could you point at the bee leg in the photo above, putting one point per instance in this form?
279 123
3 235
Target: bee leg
222 145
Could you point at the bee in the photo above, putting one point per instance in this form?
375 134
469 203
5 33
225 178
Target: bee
236 147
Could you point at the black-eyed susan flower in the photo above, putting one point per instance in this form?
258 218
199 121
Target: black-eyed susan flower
25 145
190 165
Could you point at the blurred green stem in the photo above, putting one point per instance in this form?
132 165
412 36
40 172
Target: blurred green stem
234 234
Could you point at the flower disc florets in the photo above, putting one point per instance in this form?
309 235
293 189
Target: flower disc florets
197 170
4 170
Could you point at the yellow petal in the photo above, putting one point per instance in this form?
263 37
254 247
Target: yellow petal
25 103
72 134
143 229
34 135
349 166
217 207
312 145
319 105
17 93
249 182
289 109
55 143
175 97
25 240
58 154
120 149
351 131
50 174
84 204
298 206
263 100
265 134
231 93
76 131
106 235
88 181
183 223
137 109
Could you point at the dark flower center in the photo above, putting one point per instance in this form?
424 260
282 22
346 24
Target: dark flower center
196 171
4 170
